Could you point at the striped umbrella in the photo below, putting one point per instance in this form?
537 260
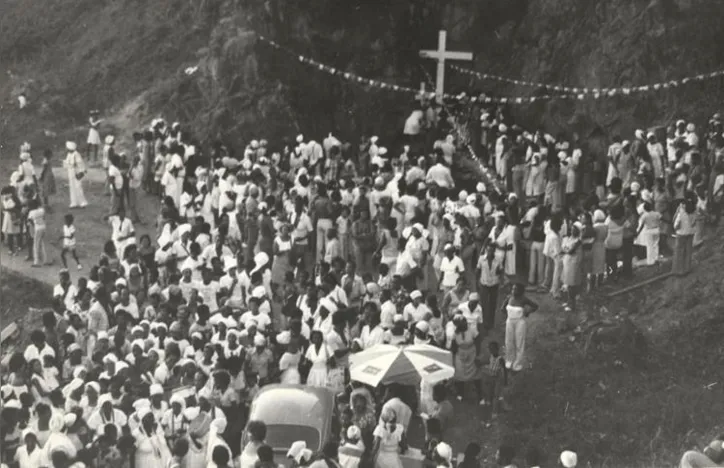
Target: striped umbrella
386 364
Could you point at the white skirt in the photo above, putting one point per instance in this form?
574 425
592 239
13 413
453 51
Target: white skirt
317 376
94 138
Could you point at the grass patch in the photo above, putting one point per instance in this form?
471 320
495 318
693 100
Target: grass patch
18 294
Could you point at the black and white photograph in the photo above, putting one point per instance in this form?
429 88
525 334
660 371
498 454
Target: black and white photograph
361 233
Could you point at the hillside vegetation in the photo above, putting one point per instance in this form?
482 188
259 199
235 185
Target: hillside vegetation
127 57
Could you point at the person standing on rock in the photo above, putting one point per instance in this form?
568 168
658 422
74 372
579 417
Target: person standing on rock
94 136
75 166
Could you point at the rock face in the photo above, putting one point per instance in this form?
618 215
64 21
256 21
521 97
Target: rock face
84 54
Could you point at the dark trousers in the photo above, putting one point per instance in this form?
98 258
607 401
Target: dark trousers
612 256
489 302
627 251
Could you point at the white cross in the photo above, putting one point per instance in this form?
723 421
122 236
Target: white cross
441 55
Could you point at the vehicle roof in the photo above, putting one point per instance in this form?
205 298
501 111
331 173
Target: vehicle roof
294 405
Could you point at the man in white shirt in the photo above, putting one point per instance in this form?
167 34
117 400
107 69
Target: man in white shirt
440 175
230 282
353 285
262 321
65 290
472 312
301 229
388 310
123 233
451 267
372 334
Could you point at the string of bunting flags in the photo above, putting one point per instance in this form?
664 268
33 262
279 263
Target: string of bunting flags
341 73
561 92
400 88
596 93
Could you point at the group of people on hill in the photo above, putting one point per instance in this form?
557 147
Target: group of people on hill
276 263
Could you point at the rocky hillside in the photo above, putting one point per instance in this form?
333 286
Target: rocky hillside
128 57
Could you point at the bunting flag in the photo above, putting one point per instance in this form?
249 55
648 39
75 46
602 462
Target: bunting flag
344 74
582 93
560 92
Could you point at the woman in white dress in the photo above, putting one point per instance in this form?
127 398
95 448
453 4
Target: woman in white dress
318 356
151 448
503 236
94 136
289 364
40 387
518 307
76 171
389 441
199 423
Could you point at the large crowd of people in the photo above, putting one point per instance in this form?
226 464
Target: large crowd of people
275 263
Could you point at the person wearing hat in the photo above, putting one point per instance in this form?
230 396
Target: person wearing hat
389 440
472 312
30 454
451 268
151 447
416 310
569 459
503 152
106 414
75 166
260 359
299 454
711 457
352 448
464 342
656 154
649 230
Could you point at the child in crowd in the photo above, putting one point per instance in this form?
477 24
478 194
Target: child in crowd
69 241
496 378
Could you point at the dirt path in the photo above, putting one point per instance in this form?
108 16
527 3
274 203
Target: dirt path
90 226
